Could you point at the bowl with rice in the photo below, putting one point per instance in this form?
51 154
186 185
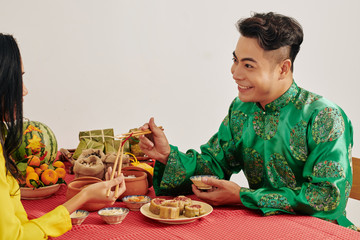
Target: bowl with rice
113 215
78 216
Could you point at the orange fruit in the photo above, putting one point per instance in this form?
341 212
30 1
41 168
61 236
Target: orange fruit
29 170
33 161
59 164
49 177
38 171
61 172
44 166
31 175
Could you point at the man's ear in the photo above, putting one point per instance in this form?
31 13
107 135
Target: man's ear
285 69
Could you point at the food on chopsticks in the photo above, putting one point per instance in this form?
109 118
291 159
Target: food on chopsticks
176 207
135 133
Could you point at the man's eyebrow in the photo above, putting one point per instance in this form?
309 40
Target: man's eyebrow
248 59
244 59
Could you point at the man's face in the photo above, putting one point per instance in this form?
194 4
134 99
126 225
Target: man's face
256 72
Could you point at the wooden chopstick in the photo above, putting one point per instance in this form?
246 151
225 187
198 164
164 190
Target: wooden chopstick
136 133
119 168
119 153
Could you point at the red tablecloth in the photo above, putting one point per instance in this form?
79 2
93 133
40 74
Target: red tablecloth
231 222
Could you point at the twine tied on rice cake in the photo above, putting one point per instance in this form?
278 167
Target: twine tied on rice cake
102 139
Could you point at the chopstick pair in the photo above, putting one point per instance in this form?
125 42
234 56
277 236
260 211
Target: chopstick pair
136 133
120 153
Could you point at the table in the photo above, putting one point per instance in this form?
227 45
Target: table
226 222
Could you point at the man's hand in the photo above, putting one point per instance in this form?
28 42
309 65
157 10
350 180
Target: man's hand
223 192
155 145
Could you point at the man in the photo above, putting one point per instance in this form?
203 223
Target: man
294 146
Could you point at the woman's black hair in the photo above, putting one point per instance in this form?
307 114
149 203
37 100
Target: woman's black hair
11 106
273 31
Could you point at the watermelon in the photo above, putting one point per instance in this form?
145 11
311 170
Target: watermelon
38 140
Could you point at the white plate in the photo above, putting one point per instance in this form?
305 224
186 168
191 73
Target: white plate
38 193
181 220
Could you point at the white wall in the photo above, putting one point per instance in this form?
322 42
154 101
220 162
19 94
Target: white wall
115 63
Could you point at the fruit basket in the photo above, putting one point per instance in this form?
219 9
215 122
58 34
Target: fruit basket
38 193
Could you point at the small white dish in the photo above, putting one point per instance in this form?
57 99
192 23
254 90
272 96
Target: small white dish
113 215
199 184
135 202
78 216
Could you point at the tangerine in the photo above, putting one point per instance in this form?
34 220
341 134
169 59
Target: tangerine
31 176
44 166
33 161
38 171
49 177
29 170
59 164
61 172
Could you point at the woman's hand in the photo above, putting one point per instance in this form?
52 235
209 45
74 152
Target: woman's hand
155 145
223 192
97 192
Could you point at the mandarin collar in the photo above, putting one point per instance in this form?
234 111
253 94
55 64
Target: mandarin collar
283 100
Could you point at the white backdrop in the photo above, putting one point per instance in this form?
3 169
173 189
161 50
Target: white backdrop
115 63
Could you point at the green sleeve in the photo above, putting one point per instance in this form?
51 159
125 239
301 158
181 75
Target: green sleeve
327 175
215 158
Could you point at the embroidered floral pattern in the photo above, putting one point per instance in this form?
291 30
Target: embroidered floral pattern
283 100
237 122
328 125
274 200
324 196
244 189
347 191
225 122
265 125
213 146
280 173
350 155
229 150
253 167
353 227
175 172
202 166
304 98
328 169
298 144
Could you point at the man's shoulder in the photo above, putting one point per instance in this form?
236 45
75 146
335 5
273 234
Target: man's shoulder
313 102
313 99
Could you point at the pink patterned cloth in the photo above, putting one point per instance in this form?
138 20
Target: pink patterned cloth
230 222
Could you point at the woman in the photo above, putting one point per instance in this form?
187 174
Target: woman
14 223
